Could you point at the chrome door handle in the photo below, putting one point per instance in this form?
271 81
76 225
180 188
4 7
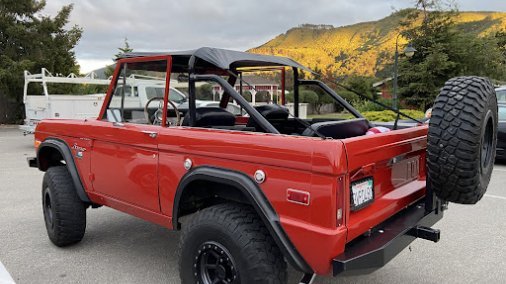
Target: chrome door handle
151 134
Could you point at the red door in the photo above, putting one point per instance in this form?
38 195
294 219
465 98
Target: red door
125 163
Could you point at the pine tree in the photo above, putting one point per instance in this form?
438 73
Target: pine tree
109 70
125 49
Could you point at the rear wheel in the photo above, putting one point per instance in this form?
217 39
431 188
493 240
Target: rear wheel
64 212
462 139
228 243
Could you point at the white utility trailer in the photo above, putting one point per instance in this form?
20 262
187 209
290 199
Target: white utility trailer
78 106
45 105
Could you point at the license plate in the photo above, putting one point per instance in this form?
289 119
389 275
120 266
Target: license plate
362 193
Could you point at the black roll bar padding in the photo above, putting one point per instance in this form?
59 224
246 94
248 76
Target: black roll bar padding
192 108
123 93
334 95
396 121
191 102
237 97
296 82
226 97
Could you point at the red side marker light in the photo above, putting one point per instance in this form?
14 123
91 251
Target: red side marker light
298 196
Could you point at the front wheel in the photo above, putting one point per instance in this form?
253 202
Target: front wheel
228 243
64 212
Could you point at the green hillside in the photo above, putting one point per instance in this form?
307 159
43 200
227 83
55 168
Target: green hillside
362 48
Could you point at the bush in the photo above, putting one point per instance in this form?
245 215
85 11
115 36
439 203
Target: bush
349 96
247 95
365 105
309 97
388 115
262 96
305 96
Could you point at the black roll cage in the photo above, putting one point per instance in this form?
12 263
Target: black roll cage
231 92
204 63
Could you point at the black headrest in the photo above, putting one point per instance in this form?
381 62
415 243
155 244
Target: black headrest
210 116
272 111
339 129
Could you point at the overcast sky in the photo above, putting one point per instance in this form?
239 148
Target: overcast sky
235 24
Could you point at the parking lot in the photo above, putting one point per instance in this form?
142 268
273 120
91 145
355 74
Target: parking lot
118 248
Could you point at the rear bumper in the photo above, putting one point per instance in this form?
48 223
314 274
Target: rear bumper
368 253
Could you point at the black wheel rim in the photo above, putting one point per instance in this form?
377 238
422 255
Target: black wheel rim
48 208
213 264
486 146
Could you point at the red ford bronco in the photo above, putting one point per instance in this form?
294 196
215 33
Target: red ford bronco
329 195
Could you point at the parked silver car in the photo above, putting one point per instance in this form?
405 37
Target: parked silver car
501 94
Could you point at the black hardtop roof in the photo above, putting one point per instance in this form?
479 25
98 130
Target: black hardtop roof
221 58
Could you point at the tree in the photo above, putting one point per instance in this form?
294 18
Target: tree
31 41
443 51
501 41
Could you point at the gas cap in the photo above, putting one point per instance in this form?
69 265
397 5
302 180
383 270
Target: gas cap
259 176
187 164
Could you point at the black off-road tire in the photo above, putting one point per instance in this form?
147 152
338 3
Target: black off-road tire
64 212
462 139
235 232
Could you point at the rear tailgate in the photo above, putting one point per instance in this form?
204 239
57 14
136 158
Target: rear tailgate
393 164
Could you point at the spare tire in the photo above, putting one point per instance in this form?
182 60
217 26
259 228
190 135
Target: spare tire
462 140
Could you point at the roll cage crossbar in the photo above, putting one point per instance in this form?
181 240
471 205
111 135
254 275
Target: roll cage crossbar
236 96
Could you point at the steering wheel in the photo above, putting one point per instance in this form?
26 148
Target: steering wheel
157 117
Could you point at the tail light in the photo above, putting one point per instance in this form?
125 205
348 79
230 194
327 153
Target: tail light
340 201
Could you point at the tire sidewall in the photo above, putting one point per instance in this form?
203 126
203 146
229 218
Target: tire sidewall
51 228
486 172
207 232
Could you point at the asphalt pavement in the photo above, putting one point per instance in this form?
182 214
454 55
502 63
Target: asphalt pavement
119 248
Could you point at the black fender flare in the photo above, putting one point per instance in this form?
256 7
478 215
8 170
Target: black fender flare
255 197
65 152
